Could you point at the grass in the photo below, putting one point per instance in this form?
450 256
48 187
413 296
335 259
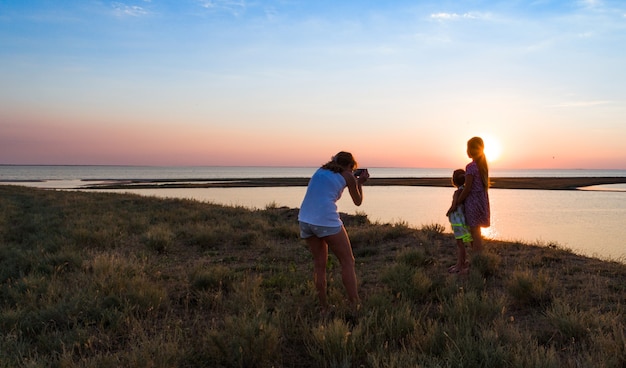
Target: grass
109 280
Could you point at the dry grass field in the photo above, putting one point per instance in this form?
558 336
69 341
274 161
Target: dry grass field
111 280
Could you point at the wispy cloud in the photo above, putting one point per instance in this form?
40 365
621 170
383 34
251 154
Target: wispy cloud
235 7
583 103
443 16
590 3
124 10
271 13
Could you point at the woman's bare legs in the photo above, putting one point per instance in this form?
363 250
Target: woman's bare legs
319 249
340 245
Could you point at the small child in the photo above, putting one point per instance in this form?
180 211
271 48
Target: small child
462 232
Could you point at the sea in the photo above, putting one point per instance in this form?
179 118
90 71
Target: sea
589 221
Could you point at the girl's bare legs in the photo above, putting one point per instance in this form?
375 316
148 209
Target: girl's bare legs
477 245
340 245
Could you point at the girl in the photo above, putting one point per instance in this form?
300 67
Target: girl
475 194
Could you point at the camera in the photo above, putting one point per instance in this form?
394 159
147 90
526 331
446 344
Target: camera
358 172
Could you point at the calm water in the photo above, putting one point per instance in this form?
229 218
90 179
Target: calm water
68 173
590 222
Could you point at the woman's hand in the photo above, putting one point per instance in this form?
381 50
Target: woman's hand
354 184
363 177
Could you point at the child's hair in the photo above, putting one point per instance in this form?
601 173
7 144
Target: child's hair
476 150
339 161
458 177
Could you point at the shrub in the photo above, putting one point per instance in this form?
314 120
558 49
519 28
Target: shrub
407 282
528 289
414 257
486 263
433 230
332 345
216 277
159 238
572 324
247 340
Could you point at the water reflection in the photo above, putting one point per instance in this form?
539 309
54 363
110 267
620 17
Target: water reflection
607 187
490 232
588 222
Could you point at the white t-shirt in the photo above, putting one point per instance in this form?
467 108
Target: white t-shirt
319 205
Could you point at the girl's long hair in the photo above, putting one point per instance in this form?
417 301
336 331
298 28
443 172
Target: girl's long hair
339 161
476 150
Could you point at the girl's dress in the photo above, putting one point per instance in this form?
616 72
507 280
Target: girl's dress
477 211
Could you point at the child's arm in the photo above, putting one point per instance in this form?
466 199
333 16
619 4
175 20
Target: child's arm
466 188
455 201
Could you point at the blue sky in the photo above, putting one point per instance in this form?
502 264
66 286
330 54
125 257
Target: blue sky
398 83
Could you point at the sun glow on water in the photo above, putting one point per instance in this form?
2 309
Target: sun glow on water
489 232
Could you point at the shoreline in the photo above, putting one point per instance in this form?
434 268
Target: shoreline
541 183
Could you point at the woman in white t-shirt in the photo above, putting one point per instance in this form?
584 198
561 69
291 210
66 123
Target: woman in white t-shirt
321 226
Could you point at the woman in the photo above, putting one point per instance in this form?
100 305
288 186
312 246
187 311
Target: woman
321 226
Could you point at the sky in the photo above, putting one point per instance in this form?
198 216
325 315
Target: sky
290 82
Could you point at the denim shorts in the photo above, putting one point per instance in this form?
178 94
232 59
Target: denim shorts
307 230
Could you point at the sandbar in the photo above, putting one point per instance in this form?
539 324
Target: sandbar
545 183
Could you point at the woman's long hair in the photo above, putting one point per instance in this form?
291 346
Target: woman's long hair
476 150
340 161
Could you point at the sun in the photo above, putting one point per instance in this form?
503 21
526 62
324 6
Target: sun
493 148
